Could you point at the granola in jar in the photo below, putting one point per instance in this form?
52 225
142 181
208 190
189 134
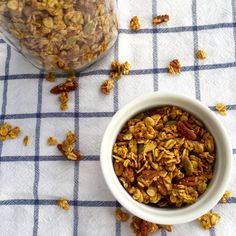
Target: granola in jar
59 35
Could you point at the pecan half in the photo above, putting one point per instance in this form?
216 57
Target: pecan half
186 130
74 155
149 174
189 181
118 168
156 20
65 87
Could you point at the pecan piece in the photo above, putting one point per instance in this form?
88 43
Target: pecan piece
65 87
189 181
149 174
74 155
129 174
156 20
186 130
118 168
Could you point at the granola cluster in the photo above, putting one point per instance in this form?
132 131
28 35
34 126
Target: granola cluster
174 67
201 54
164 157
52 141
63 90
117 70
67 147
134 23
60 34
209 220
143 227
7 132
121 216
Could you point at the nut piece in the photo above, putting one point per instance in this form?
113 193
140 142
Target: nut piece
63 203
201 54
26 140
7 132
174 67
186 130
225 197
134 23
121 216
156 20
209 220
50 77
65 87
52 141
107 86
67 147
221 108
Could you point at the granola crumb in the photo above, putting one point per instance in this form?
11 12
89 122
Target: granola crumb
50 77
156 20
115 65
52 141
26 140
63 99
134 23
7 132
121 216
209 220
107 86
174 67
115 75
201 54
221 108
225 197
63 203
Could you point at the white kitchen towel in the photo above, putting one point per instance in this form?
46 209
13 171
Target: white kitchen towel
32 178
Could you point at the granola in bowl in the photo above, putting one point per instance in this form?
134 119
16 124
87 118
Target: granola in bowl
164 157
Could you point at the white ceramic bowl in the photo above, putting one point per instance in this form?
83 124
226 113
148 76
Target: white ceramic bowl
222 170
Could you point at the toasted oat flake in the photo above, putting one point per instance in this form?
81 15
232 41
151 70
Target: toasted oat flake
156 20
63 99
221 108
121 216
209 220
52 141
50 77
174 67
134 23
201 54
26 140
63 203
107 86
225 197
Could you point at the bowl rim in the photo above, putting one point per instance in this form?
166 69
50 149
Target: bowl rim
165 215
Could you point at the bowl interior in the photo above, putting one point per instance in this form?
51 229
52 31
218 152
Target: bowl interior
222 168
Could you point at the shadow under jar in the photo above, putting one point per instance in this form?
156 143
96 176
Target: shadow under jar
59 35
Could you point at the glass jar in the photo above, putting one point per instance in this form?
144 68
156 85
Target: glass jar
59 35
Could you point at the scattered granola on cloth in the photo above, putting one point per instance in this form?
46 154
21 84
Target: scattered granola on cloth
7 132
209 220
221 108
63 203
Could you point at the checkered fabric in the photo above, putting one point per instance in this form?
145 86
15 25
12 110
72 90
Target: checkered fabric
32 178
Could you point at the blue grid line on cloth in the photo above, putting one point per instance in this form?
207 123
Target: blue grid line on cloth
56 158
76 166
195 48
5 87
229 107
132 72
118 223
36 159
155 50
163 232
79 203
179 29
212 231
234 20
